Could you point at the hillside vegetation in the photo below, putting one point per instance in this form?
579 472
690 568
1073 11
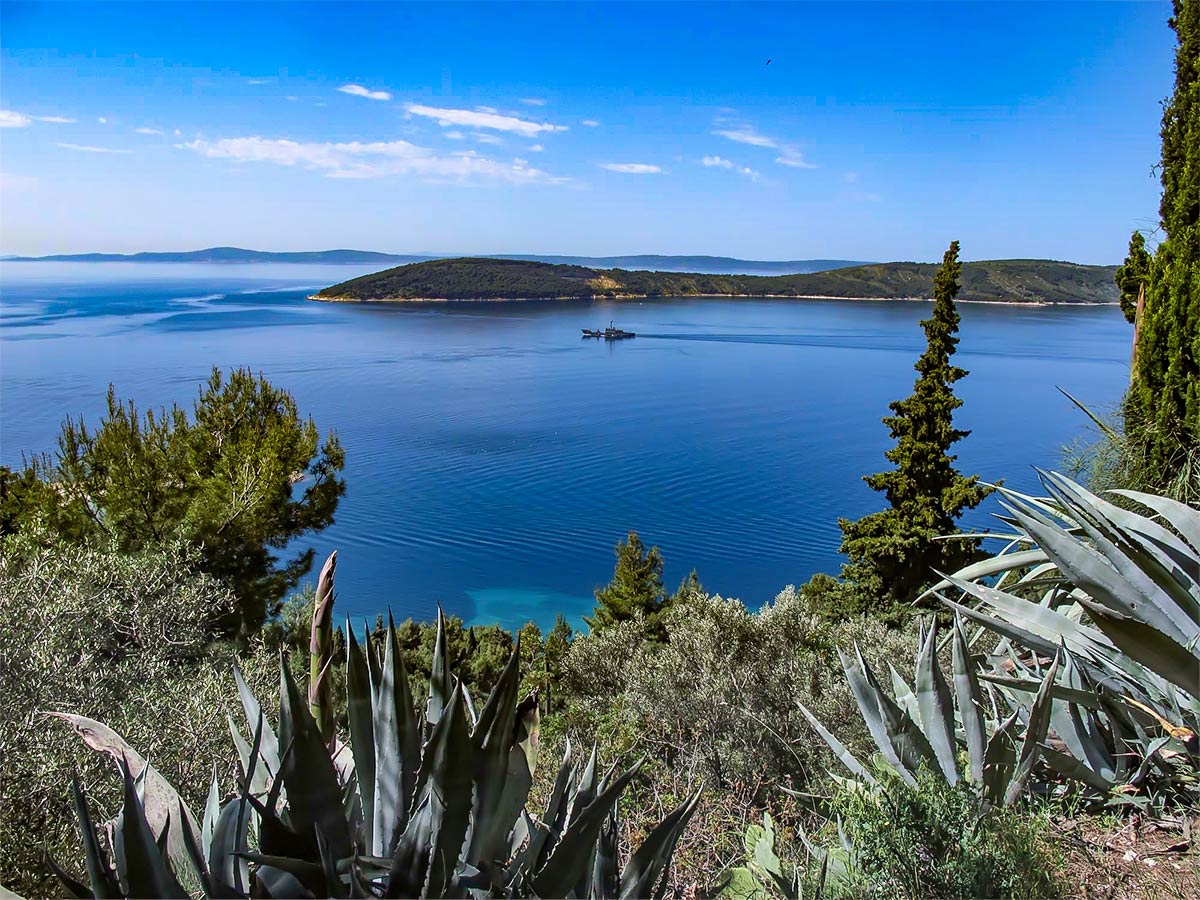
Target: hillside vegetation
1014 280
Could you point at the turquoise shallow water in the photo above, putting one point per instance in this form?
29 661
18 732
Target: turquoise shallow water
494 457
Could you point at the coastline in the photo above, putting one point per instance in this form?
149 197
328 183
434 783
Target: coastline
622 297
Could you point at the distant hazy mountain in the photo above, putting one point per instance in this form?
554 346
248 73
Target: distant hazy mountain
713 265
1008 280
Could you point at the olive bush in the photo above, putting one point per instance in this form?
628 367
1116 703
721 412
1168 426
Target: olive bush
118 638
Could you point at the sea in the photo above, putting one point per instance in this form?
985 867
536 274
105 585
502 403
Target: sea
494 457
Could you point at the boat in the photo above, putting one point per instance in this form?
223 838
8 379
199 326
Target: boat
610 333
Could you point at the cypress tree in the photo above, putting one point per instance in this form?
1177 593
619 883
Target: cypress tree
1135 273
1162 410
892 553
636 586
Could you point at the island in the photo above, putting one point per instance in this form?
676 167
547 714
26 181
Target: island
1032 281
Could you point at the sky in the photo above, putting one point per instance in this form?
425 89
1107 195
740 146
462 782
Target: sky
878 131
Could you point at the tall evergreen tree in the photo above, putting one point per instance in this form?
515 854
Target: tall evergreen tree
1133 275
1162 412
892 553
636 586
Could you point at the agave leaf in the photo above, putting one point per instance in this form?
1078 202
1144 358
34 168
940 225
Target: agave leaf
1067 765
970 701
252 767
160 797
906 699
192 842
362 729
571 855
605 876
1072 696
146 871
493 811
549 829
867 697
1035 733
905 735
1149 646
646 866
278 883
1183 518
936 706
998 761
69 884
993 565
103 879
397 748
838 748
440 681
253 709
314 798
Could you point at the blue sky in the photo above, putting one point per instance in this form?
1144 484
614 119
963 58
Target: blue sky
878 131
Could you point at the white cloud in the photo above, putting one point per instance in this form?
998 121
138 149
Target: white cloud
177 133
722 163
376 159
88 148
482 118
102 120
358 90
12 182
590 123
10 119
291 97
55 120
455 135
536 148
747 135
789 154
260 80
533 101
148 131
851 177
632 168
794 158
486 138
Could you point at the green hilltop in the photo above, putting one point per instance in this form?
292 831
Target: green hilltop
1011 280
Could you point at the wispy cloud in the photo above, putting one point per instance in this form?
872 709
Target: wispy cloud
376 159
632 168
88 148
149 131
789 154
590 123
358 90
55 120
533 101
485 138
746 135
13 182
483 117
536 148
794 158
10 119
102 120
267 80
721 162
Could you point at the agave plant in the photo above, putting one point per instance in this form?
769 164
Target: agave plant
425 803
919 727
1119 593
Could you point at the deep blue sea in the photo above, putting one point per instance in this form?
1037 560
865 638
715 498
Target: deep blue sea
494 458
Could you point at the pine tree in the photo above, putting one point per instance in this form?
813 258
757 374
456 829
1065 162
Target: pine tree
892 553
1162 411
636 586
1133 275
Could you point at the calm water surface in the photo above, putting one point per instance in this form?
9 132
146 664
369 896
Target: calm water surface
494 458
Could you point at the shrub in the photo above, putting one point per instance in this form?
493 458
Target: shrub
930 840
108 636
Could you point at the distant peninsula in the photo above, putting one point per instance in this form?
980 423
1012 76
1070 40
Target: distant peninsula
706 264
1034 281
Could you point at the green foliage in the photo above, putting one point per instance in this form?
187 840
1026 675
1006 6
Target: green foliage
1012 280
423 803
222 482
111 636
892 553
1162 414
1133 275
719 696
930 839
636 588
